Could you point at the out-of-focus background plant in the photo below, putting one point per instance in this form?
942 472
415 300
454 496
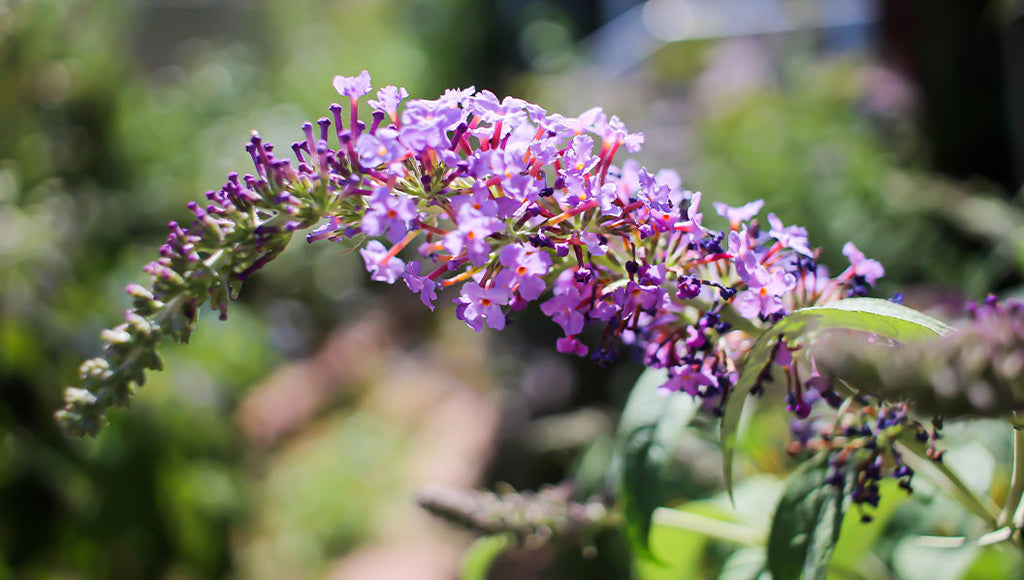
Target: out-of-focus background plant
290 441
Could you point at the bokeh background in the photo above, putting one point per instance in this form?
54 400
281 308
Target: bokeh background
290 441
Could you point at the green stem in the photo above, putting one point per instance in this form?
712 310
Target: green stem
915 455
715 528
1013 497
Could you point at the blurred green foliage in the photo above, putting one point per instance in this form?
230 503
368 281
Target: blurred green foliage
97 154
814 151
95 158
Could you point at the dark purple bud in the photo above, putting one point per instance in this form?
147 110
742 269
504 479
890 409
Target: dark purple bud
858 287
325 124
378 117
307 128
604 356
336 113
806 263
712 244
297 148
832 398
836 478
689 288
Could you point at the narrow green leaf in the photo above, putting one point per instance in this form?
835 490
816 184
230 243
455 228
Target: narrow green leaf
478 559
880 317
806 525
648 430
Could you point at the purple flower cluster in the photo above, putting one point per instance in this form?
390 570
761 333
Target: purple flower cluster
509 205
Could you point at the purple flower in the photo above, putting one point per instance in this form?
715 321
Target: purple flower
596 244
738 215
861 266
793 237
524 268
453 98
381 148
471 235
515 182
353 87
381 267
571 345
689 287
653 194
478 305
421 284
607 196
603 310
325 230
510 111
425 124
689 379
580 158
479 200
764 291
562 309
390 214
388 99
695 218
613 130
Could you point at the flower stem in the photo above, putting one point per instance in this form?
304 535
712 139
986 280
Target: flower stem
1013 510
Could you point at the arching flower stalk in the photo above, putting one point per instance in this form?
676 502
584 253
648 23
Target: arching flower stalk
496 203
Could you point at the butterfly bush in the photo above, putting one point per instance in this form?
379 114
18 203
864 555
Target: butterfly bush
493 204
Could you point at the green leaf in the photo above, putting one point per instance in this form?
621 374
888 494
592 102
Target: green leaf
876 316
478 559
806 525
880 317
648 430
748 563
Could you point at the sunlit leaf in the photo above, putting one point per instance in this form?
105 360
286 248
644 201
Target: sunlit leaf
806 525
